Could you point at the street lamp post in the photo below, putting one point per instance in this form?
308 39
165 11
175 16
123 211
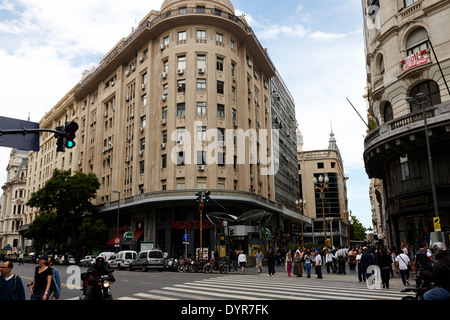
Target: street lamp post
300 204
322 185
421 100
118 212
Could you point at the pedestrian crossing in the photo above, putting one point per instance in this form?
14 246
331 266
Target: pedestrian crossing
248 287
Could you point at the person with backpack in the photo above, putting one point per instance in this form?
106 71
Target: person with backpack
11 286
423 259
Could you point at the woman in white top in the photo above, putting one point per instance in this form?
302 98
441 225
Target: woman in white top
242 260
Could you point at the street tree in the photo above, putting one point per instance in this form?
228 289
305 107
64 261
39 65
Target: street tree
63 203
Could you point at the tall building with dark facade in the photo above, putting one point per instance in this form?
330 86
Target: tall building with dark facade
190 101
408 52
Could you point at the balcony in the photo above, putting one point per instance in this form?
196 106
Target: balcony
402 134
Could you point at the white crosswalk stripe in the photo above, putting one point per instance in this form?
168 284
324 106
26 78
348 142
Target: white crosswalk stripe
232 287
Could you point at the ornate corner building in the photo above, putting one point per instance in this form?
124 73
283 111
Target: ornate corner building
408 52
189 101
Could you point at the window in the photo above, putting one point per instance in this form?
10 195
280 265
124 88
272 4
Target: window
164 113
221 159
181 132
182 36
164 136
181 109
219 64
201 61
200 9
166 41
201 34
181 85
181 63
201 133
180 184
219 38
388 112
144 100
201 157
417 41
320 165
201 183
220 87
141 167
404 166
180 158
430 89
201 84
220 111
201 108
164 161
142 144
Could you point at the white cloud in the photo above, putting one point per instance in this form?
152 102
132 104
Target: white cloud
322 36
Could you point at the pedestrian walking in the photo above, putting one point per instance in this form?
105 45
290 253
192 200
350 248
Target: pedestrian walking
403 266
21 258
242 260
289 262
298 264
361 273
11 286
271 262
367 259
55 287
384 261
234 260
318 263
307 260
329 261
259 260
42 280
341 258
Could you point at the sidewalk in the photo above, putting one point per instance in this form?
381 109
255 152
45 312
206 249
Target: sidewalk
351 275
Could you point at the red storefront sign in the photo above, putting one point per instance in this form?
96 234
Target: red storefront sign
414 60
192 224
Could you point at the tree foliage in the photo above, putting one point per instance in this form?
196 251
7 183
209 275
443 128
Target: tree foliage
63 203
359 231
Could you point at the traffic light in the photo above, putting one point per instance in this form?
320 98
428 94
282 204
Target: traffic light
199 197
69 133
60 139
206 198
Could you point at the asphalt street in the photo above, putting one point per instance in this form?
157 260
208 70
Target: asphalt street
155 285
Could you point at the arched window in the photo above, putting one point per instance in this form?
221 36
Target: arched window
388 113
430 89
417 41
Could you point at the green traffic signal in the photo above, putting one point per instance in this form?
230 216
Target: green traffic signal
69 132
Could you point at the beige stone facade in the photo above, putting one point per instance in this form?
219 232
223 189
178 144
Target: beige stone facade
325 162
184 103
407 52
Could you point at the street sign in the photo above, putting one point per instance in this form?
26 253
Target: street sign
21 140
128 236
186 237
437 224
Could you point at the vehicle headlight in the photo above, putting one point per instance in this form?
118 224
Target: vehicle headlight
106 284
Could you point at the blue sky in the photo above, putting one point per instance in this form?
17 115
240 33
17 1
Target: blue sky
317 47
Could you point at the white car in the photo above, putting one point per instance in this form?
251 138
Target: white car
122 259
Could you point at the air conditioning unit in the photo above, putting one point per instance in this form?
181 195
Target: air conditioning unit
180 71
141 59
163 75
127 98
222 143
163 98
162 47
234 79
201 70
163 122
127 159
250 64
143 86
163 145
141 130
201 168
127 73
105 114
112 83
141 153
133 68
235 124
180 142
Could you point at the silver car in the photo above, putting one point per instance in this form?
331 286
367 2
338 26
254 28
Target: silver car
148 259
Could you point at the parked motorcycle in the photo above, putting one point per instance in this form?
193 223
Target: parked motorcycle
421 287
101 290
215 266
184 264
